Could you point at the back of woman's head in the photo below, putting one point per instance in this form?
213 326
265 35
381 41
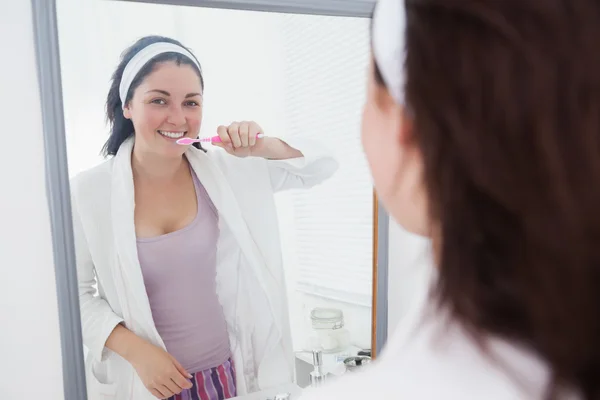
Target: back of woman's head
505 101
121 128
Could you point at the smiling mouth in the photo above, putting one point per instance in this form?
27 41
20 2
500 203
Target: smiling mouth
172 134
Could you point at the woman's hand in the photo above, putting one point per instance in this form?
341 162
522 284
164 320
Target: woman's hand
161 374
239 139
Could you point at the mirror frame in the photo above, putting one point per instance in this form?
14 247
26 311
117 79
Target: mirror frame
57 177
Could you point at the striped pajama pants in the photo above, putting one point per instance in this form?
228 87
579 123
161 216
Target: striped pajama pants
216 383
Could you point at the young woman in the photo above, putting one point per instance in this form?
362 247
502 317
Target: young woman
482 130
182 243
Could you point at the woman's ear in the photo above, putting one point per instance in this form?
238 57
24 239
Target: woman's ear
127 112
406 134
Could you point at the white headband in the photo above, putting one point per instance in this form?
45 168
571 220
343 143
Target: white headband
389 23
138 61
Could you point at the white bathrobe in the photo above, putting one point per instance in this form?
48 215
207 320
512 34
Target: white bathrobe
250 276
429 356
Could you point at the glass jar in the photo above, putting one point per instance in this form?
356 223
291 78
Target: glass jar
328 325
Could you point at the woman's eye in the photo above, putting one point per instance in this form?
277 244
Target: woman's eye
192 103
158 101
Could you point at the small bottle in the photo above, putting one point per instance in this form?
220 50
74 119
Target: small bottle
317 377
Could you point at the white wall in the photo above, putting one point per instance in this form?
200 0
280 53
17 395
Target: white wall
30 359
409 264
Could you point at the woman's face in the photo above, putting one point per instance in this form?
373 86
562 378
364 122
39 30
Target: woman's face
394 158
166 106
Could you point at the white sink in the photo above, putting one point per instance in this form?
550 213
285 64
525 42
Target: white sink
291 388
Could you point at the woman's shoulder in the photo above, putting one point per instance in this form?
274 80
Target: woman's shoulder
92 180
439 360
424 382
429 378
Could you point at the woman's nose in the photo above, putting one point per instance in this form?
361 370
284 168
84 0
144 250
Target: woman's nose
176 116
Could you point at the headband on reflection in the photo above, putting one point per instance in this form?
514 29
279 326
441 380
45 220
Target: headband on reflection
389 23
142 57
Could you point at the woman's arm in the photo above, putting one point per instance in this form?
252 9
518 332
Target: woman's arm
315 165
293 164
97 317
277 149
125 343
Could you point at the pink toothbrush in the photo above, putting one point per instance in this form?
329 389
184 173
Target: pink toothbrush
214 139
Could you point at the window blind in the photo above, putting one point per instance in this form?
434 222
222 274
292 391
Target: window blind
325 64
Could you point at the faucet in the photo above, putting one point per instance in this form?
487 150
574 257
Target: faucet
317 377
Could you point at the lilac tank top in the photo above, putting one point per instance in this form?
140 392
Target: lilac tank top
179 270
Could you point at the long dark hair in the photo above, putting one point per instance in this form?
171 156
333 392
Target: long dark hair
120 127
505 97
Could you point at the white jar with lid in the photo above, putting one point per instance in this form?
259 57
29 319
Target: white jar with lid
328 325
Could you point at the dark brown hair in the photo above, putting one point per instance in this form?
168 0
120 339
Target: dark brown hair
505 96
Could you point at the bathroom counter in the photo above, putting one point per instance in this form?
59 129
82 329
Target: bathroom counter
269 394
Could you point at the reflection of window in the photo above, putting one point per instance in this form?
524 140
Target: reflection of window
325 60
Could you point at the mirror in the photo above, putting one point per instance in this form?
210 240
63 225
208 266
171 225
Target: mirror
285 246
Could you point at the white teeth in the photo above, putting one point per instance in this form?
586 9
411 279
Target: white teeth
173 135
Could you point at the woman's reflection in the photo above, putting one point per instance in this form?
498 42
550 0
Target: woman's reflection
182 242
